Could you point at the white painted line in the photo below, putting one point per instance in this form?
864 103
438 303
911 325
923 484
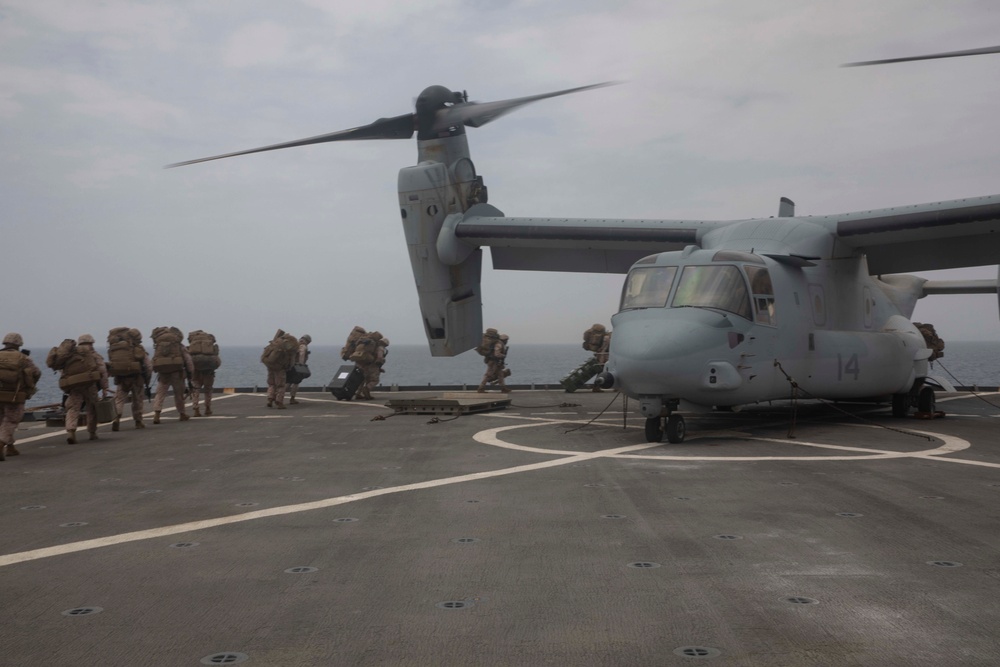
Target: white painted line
153 533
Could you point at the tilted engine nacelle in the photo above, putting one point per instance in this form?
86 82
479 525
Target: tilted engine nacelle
448 287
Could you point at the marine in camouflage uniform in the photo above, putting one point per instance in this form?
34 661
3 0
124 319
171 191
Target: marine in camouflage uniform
134 385
602 355
173 380
496 369
12 413
85 395
373 371
302 357
202 380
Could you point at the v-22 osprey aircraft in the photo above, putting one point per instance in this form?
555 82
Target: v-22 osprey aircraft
712 313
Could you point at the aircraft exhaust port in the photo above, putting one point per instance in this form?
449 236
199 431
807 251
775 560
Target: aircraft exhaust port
721 375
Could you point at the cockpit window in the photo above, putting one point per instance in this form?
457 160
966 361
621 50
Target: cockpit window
719 287
648 287
762 293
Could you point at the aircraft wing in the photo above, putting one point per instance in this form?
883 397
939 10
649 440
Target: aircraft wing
924 237
579 245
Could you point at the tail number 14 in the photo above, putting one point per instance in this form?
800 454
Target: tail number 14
852 367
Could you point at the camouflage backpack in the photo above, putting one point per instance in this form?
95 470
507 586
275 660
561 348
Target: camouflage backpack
593 338
168 356
125 353
280 352
352 340
204 351
490 338
59 355
16 384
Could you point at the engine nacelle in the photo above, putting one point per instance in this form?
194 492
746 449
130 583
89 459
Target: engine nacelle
450 298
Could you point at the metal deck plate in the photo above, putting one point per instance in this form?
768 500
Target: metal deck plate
448 403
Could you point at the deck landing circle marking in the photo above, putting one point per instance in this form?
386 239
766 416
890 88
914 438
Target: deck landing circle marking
951 444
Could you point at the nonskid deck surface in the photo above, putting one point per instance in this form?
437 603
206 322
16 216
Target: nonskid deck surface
319 536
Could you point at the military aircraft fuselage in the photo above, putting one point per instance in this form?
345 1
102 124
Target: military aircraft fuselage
719 327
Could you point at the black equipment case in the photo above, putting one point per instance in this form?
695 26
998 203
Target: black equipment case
346 382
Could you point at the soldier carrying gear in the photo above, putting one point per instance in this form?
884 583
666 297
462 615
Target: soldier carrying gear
204 353
131 367
83 374
18 382
301 359
371 363
172 364
931 339
596 339
278 357
494 350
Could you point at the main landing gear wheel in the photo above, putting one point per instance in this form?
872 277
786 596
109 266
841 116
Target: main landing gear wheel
675 429
654 429
926 401
900 405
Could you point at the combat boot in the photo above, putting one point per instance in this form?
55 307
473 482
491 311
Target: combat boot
71 436
184 417
117 423
270 404
10 450
197 412
139 424
208 411
505 390
156 417
281 406
93 435
293 402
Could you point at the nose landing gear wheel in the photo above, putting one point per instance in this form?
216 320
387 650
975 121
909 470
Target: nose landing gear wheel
675 429
654 429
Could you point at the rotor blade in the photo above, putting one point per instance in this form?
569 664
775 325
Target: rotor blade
398 127
932 56
475 114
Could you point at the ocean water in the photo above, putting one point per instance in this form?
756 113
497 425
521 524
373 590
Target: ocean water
970 363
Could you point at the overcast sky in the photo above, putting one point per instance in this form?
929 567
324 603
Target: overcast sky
726 106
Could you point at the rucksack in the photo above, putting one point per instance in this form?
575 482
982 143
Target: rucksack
203 350
352 340
280 352
168 355
79 367
490 338
364 351
59 355
125 353
593 338
16 384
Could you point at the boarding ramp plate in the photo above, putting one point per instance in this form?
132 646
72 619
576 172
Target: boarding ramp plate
448 403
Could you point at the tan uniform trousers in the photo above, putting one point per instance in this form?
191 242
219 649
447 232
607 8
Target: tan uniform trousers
77 397
134 385
165 380
202 380
10 416
276 383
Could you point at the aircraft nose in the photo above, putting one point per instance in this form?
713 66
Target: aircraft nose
660 352
651 340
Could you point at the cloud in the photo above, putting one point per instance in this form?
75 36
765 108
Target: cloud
115 24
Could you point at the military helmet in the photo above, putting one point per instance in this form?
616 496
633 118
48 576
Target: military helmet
13 339
384 342
306 339
85 339
504 337
135 335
